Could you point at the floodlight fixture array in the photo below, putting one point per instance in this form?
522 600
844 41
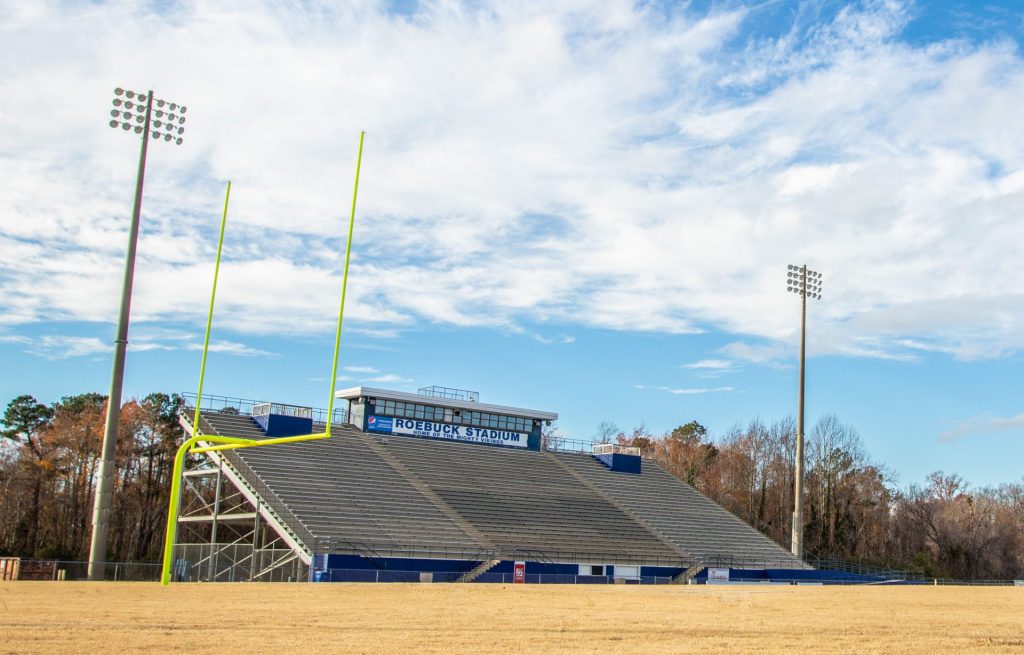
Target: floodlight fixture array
802 280
139 112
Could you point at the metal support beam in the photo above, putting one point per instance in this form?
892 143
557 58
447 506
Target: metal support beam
238 482
214 518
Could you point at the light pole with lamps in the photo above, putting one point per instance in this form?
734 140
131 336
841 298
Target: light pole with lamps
137 113
807 284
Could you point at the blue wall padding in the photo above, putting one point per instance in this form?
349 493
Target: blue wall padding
397 563
620 463
277 425
461 566
537 567
355 568
798 575
660 571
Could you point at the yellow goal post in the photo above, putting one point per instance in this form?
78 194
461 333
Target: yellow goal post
221 442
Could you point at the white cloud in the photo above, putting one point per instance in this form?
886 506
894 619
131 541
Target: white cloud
767 354
548 341
67 346
591 163
695 391
981 426
389 378
711 364
64 347
686 391
360 369
232 348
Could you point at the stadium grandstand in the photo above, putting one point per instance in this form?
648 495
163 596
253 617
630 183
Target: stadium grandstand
437 486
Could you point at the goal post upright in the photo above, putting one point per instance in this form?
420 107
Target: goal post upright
344 287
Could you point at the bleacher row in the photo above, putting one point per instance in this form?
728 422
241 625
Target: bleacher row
383 494
685 517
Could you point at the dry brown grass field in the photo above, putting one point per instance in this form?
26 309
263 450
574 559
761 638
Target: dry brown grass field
81 617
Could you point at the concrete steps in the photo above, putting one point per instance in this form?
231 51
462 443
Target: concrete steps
478 570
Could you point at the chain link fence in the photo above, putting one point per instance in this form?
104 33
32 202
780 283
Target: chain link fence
57 569
185 570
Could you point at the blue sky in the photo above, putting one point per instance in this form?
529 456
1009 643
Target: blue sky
587 209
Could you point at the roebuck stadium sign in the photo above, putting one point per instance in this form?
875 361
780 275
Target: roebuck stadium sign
436 430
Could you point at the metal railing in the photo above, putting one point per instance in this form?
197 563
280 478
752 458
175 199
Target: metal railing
281 409
251 407
563 445
237 562
186 570
450 393
860 568
338 417
615 449
211 403
329 546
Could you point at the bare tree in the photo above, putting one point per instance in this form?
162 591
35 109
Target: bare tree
606 432
551 437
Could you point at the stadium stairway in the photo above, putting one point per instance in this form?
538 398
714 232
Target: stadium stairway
478 570
688 574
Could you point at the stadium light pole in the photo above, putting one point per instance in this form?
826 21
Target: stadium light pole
807 284
136 113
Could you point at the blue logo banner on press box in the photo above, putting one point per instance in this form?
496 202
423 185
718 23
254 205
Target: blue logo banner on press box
436 430
380 423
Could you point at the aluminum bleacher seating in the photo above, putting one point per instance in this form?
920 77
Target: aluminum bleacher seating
386 494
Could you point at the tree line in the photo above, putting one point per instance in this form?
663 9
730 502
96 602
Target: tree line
944 527
49 461
853 510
